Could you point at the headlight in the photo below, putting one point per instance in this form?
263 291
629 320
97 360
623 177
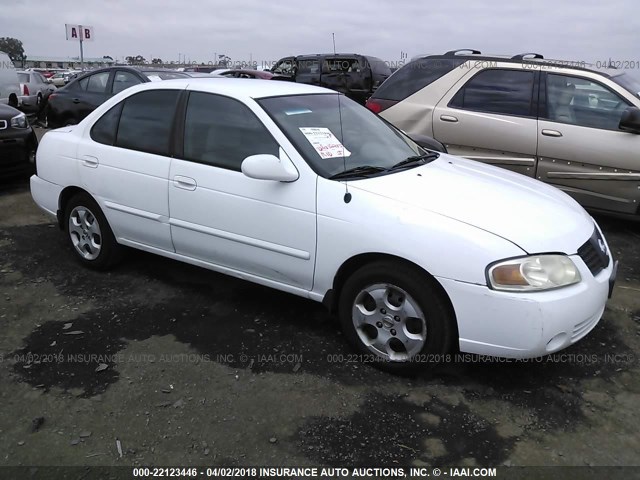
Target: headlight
20 121
538 272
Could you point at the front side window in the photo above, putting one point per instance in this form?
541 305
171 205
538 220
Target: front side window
334 133
222 132
506 92
146 120
123 80
98 83
583 102
284 67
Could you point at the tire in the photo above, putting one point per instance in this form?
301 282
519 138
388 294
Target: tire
13 101
409 326
89 233
39 100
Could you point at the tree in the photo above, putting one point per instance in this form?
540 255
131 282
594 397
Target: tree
156 61
137 60
12 47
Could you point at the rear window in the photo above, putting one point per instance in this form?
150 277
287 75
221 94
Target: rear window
23 77
415 76
378 66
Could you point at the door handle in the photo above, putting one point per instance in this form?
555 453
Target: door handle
185 183
449 118
89 161
551 133
76 100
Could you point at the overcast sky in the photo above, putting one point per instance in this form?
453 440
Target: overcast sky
585 30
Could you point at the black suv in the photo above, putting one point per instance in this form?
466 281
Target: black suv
357 76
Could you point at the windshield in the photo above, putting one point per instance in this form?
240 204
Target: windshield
629 82
312 123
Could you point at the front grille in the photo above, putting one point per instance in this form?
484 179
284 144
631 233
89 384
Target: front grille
594 253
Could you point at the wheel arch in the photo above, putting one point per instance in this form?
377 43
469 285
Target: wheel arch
331 298
65 195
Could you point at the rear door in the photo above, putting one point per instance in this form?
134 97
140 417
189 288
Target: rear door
492 117
581 149
308 70
124 162
348 74
92 93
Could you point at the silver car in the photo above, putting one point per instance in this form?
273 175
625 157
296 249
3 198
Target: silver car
35 90
570 124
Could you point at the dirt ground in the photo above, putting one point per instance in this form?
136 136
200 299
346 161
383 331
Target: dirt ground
162 363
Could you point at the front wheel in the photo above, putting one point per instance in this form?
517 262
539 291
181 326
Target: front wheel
396 316
89 233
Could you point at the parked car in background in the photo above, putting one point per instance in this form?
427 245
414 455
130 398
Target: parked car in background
200 69
9 84
357 76
70 104
60 79
35 90
572 125
215 173
243 73
18 143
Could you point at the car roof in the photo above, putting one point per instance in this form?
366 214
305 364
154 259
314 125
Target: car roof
243 88
522 58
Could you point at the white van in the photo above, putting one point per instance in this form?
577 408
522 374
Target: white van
9 84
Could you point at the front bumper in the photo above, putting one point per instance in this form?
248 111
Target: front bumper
529 325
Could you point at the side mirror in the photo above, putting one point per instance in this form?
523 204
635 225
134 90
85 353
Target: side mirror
428 143
270 167
630 121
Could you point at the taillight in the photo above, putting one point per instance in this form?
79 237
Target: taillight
25 90
374 106
52 96
377 105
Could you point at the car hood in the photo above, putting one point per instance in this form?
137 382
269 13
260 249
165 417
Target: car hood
535 216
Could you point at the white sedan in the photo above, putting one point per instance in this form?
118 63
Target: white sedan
299 188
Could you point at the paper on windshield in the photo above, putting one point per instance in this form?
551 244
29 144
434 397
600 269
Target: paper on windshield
325 142
154 78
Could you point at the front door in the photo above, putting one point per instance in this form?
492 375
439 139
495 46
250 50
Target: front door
581 149
259 228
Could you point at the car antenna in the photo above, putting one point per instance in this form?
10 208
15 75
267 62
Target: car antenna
347 195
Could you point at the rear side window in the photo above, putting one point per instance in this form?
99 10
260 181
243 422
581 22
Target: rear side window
146 119
105 130
98 82
415 76
507 92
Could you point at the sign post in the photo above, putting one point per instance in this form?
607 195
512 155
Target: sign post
81 33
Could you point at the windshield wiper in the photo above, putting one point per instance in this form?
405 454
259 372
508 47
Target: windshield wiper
361 171
415 160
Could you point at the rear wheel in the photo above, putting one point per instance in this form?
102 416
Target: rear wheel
396 316
91 237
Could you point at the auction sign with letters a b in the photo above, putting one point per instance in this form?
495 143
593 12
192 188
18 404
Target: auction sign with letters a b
79 32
